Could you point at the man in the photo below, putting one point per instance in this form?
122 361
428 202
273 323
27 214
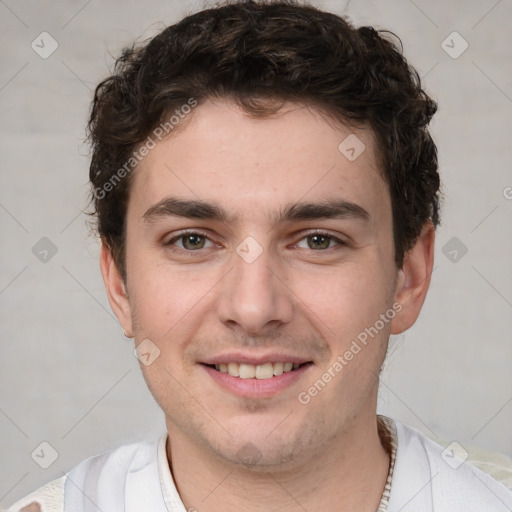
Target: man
266 192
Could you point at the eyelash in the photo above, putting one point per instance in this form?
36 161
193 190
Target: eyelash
170 244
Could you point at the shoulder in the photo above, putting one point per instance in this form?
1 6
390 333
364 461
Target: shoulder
48 498
497 465
430 477
100 470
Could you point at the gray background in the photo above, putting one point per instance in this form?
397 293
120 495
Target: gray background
68 375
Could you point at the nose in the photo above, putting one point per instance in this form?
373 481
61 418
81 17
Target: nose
254 296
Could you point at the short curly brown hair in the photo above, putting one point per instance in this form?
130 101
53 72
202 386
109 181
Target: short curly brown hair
262 54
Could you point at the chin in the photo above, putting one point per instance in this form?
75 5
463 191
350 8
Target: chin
271 459
257 451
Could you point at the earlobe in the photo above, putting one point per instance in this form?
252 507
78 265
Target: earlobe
116 290
413 280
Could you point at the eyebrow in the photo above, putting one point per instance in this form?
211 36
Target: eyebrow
198 209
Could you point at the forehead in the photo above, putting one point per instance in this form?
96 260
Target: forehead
253 166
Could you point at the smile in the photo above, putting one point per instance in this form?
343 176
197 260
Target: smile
261 371
261 380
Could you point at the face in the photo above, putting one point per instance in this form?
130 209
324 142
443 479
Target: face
256 247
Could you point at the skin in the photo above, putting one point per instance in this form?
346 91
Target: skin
309 302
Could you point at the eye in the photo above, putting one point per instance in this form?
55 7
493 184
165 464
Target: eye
190 241
320 241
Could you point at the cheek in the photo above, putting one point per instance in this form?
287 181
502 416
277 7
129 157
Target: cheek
162 295
344 300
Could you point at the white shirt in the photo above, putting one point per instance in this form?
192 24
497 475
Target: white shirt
137 478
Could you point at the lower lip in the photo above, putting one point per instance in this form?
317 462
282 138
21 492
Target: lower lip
256 388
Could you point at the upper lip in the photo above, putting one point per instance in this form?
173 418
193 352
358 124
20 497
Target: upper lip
255 360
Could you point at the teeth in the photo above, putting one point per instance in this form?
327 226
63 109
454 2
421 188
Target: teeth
278 368
265 371
261 371
233 369
247 371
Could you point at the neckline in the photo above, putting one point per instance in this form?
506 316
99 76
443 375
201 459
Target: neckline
387 433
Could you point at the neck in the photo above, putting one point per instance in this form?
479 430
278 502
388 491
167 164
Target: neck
350 474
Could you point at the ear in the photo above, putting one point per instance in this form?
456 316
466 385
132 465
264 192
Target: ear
116 290
414 280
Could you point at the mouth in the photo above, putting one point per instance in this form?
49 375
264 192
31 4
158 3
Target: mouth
250 375
264 371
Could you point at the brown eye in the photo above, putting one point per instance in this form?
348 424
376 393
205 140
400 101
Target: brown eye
319 241
193 241
189 242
